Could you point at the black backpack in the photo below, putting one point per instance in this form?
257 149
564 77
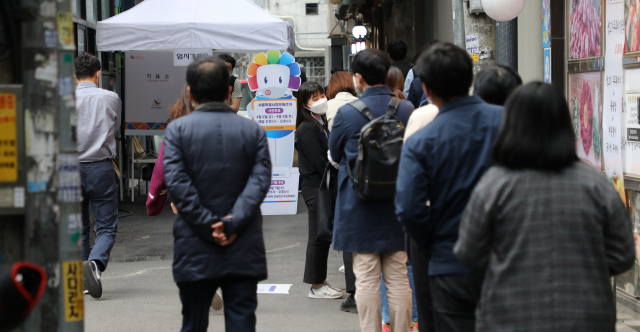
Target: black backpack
379 149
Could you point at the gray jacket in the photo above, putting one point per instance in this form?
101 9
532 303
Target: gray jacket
550 243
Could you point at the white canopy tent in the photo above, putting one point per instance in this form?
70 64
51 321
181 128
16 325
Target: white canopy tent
222 25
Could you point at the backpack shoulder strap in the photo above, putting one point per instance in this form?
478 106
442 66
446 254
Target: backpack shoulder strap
393 106
362 108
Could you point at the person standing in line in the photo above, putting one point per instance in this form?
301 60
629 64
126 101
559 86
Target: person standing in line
99 114
158 188
234 82
540 216
439 167
395 82
341 91
397 51
369 229
495 83
312 133
217 190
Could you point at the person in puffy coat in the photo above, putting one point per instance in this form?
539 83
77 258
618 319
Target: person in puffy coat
218 171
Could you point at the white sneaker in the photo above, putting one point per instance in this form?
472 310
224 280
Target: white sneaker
324 292
334 288
217 303
341 269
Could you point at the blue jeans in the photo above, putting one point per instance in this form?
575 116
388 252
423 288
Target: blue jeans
100 190
383 296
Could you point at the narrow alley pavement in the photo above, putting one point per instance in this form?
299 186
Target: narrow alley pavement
139 293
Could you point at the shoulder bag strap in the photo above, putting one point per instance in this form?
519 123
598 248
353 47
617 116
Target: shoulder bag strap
393 106
362 108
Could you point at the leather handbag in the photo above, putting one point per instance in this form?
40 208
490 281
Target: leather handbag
324 214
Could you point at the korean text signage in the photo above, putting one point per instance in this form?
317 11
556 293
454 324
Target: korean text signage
73 278
8 138
613 94
274 76
152 84
185 56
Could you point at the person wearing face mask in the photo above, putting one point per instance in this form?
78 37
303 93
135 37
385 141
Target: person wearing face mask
312 144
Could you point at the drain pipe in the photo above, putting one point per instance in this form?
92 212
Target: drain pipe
296 32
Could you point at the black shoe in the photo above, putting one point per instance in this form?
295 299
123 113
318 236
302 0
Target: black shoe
349 305
92 275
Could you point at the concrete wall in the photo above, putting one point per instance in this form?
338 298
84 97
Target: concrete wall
311 30
444 17
530 54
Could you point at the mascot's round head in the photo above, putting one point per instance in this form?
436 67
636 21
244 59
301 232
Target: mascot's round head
274 75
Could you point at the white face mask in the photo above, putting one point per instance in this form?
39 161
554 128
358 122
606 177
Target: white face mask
320 107
355 85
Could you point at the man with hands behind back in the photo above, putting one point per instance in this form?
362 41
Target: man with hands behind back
218 171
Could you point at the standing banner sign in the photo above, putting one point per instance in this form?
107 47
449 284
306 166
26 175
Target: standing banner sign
273 76
152 84
613 94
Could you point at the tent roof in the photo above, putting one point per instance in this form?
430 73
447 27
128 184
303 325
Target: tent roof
223 25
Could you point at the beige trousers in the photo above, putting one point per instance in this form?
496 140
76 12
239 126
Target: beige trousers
393 265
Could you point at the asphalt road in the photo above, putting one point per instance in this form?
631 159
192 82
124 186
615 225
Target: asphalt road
139 293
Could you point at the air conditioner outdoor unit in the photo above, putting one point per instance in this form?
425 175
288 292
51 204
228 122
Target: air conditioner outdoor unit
475 7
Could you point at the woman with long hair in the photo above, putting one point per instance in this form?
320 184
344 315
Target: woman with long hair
340 92
395 82
158 188
549 230
312 143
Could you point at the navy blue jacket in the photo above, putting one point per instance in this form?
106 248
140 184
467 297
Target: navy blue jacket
217 163
363 226
440 166
415 92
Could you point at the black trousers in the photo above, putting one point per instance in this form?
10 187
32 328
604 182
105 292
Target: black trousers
240 303
420 265
455 298
349 277
315 267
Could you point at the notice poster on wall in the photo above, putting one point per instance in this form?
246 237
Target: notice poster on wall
546 23
613 95
585 40
152 84
631 137
585 94
632 25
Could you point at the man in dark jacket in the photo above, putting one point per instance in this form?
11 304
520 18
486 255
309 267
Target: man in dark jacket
440 166
397 51
218 171
369 229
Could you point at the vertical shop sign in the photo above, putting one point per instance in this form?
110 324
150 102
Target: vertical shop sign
73 277
8 138
546 23
613 94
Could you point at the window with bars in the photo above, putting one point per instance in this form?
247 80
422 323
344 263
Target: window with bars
314 68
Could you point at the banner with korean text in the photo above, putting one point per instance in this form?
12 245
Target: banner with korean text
613 94
274 76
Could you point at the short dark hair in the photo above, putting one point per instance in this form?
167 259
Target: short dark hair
229 59
495 83
397 50
86 65
306 92
208 79
537 132
446 69
373 65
